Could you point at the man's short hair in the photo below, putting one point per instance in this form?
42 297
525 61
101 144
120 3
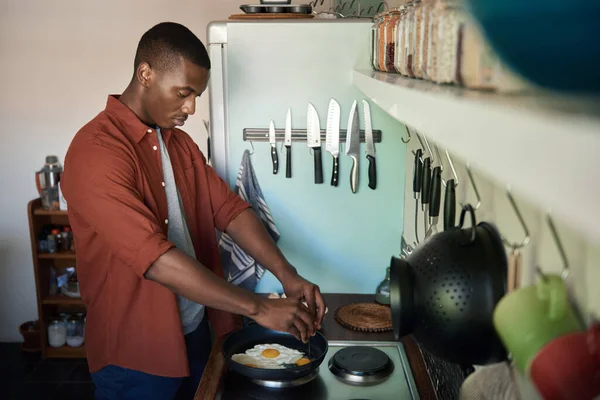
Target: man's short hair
164 44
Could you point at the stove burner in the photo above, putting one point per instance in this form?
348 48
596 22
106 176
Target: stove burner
361 365
288 384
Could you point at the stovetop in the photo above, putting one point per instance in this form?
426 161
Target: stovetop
400 384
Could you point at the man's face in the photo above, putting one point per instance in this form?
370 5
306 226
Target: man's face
170 95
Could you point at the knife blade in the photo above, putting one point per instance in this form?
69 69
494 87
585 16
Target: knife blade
353 145
287 141
370 146
274 157
332 143
313 140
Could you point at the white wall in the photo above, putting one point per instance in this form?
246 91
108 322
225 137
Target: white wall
59 60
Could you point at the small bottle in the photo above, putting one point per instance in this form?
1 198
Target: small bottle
382 295
67 236
51 243
57 333
57 238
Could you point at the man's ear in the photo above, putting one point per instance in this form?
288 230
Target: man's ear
144 74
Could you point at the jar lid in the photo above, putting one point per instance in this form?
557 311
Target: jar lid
55 231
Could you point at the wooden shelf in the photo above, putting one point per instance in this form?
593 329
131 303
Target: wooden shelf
62 300
544 146
68 255
41 211
66 352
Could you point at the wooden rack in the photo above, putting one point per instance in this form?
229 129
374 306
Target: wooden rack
42 262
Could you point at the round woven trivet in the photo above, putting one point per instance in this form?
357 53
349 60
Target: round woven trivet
365 317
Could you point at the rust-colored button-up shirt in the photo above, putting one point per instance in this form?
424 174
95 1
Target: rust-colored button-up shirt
113 183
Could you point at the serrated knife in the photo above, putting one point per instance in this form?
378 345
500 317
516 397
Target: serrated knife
332 143
287 141
313 140
353 145
370 146
273 142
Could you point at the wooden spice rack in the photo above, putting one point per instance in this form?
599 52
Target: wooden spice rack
50 305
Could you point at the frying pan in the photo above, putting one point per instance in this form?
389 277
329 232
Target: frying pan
243 339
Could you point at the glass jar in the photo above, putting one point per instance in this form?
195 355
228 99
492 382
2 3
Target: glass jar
447 49
57 333
390 40
75 332
399 59
409 41
416 39
381 42
423 47
382 295
434 40
375 41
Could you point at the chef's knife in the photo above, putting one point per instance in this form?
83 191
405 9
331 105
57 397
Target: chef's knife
287 141
273 147
370 146
313 139
353 145
332 143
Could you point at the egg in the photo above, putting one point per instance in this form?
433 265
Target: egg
270 356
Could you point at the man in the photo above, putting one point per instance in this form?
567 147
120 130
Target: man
144 206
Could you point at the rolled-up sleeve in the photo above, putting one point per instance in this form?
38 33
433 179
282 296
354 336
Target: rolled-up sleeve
226 204
99 184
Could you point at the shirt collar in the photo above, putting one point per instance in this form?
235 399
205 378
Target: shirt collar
132 125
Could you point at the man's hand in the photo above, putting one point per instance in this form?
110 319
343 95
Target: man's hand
298 288
286 315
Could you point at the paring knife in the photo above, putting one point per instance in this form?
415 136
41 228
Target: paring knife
353 145
287 141
273 147
313 140
332 143
370 146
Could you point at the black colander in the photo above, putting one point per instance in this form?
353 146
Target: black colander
446 291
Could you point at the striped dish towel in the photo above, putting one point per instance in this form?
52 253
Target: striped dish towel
238 267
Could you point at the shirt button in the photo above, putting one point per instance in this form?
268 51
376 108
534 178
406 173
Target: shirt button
166 221
163 184
154 147
149 131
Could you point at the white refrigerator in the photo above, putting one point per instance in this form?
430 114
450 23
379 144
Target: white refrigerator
340 240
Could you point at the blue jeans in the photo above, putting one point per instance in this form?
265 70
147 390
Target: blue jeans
117 383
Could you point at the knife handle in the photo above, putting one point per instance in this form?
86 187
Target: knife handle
336 171
354 174
372 172
318 165
426 189
275 159
450 205
288 161
418 174
436 192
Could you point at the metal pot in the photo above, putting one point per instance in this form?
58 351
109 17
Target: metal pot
446 290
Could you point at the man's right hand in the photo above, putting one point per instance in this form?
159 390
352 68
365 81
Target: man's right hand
286 315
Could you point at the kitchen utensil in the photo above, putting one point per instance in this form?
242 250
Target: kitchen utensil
273 143
46 181
446 291
370 146
426 194
436 193
332 143
275 1
313 132
417 183
514 270
353 145
568 368
243 339
365 317
529 318
287 141
449 205
490 382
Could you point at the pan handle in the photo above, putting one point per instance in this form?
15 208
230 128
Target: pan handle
467 208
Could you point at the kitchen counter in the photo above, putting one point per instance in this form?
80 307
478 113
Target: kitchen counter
216 367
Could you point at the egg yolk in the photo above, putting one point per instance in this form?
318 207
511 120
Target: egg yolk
302 361
270 353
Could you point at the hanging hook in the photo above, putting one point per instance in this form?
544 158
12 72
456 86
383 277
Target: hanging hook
525 241
429 149
454 174
252 145
474 186
408 137
422 146
566 268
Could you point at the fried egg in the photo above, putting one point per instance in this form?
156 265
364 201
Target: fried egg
270 356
